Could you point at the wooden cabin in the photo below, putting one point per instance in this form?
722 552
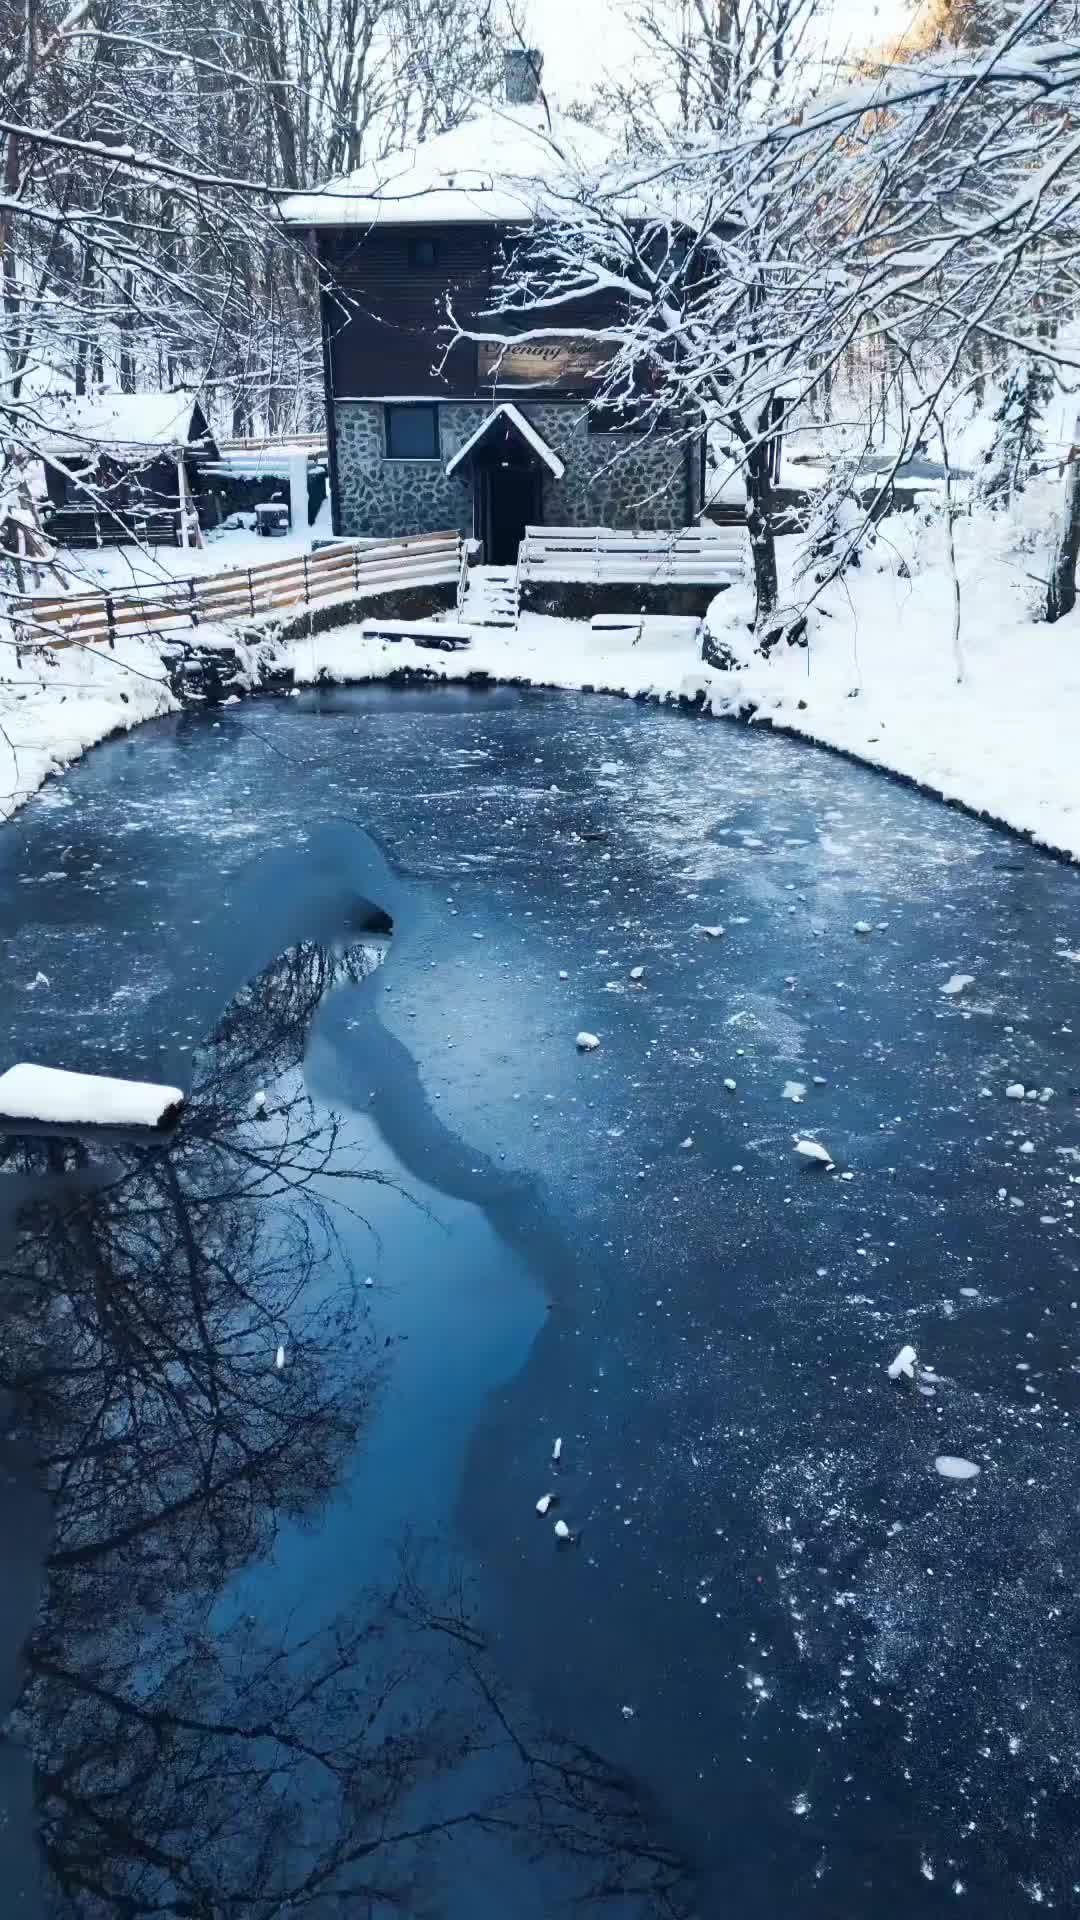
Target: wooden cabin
488 439
120 465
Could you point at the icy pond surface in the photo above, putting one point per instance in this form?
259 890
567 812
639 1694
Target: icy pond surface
305 1645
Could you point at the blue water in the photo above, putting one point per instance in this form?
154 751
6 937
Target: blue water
797 1670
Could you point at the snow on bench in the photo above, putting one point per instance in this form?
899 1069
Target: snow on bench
52 1097
425 633
684 556
647 632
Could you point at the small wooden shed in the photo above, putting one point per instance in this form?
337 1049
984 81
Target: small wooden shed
118 464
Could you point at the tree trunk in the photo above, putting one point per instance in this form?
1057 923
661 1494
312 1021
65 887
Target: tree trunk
1061 593
759 525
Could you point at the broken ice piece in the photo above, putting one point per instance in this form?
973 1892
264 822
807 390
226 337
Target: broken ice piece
587 1042
556 1451
813 1151
279 1358
258 1102
563 975
730 1085
713 933
562 1531
952 1467
1014 1090
957 982
688 1142
863 926
637 973
903 1364
793 1090
545 1501
39 980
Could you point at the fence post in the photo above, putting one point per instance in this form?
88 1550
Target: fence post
110 615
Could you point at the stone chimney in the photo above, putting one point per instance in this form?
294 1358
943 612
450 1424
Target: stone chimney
522 68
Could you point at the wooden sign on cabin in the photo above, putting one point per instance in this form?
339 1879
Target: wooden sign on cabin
542 363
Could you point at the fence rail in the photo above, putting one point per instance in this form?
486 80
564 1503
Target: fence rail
693 555
94 619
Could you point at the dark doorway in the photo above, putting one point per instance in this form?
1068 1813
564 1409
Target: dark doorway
509 500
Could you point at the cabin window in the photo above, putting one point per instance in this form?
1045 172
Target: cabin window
423 251
412 433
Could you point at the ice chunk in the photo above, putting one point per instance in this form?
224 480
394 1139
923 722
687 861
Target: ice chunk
258 1104
39 980
957 982
863 926
53 1096
556 1451
951 1467
562 1531
588 1042
812 1150
713 933
279 1358
544 1502
637 973
730 1085
1014 1090
793 1090
903 1364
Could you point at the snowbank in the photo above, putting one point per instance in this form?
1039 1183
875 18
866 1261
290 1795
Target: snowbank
52 708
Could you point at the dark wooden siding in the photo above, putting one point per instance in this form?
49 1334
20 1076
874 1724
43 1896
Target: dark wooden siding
387 319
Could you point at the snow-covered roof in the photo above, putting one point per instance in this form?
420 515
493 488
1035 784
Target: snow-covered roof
494 167
118 423
522 426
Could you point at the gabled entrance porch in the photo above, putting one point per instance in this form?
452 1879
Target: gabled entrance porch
509 460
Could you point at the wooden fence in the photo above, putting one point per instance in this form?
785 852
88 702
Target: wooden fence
94 619
693 555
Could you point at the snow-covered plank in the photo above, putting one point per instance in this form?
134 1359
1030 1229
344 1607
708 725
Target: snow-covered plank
53 1097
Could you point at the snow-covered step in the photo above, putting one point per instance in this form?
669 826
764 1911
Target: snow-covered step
491 598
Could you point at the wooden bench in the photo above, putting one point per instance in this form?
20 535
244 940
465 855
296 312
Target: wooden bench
424 633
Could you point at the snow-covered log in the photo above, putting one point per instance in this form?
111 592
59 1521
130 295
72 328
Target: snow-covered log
50 1096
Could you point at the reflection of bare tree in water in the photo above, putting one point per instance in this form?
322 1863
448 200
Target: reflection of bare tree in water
186 1767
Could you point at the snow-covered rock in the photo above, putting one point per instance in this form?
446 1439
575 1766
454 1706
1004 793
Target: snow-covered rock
54 1097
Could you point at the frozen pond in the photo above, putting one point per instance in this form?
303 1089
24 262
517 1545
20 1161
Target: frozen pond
305 1645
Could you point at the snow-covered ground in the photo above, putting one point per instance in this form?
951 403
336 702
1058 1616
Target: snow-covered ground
88 569
878 677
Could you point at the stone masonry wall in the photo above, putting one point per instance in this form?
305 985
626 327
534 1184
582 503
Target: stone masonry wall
612 480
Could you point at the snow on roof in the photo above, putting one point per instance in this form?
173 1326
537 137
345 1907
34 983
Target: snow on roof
121 423
491 168
522 426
